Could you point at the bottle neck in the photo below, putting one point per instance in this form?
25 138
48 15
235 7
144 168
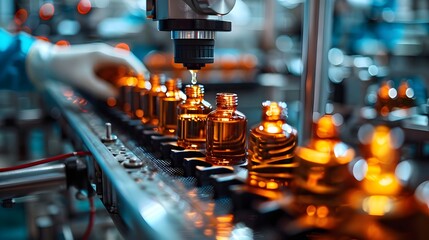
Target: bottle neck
156 80
173 85
194 91
274 112
226 101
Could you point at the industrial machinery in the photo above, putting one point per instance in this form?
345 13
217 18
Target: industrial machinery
192 27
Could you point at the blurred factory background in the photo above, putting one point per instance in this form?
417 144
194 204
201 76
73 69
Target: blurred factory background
373 42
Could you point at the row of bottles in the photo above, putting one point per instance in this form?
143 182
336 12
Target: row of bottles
221 132
274 161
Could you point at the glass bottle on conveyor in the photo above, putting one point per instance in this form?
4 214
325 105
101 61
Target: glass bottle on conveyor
142 88
167 109
150 106
226 132
192 118
271 149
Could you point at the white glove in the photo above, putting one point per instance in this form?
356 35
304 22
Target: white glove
77 65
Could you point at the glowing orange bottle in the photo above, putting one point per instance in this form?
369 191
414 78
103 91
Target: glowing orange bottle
192 118
271 149
226 132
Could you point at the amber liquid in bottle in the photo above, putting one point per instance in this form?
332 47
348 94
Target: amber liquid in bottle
324 161
142 88
226 132
271 149
151 105
126 86
192 118
168 107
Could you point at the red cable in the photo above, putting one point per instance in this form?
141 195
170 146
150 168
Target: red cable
45 160
91 219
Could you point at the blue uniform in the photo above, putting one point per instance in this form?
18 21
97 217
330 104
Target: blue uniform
13 52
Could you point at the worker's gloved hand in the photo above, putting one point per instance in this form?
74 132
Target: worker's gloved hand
77 65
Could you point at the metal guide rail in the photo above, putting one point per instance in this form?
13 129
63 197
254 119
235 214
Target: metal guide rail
147 198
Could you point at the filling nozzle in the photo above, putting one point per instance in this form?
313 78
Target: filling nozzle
194 49
192 31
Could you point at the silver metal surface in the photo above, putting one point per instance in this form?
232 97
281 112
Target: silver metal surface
175 9
314 83
193 34
212 7
32 180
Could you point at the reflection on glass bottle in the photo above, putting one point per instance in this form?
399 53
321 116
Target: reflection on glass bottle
378 173
167 110
126 86
192 118
406 98
322 175
386 98
271 149
141 89
150 106
323 162
226 132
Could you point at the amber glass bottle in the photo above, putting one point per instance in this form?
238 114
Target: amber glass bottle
167 110
271 148
126 86
323 163
150 106
226 132
141 89
192 118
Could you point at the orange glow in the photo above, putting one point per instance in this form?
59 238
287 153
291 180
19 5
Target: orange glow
63 43
20 16
377 205
381 145
325 127
224 226
123 46
142 83
402 89
322 211
373 170
43 38
323 145
253 182
139 113
316 174
311 210
272 185
46 11
383 91
270 127
385 184
312 155
84 7
128 81
262 184
111 101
